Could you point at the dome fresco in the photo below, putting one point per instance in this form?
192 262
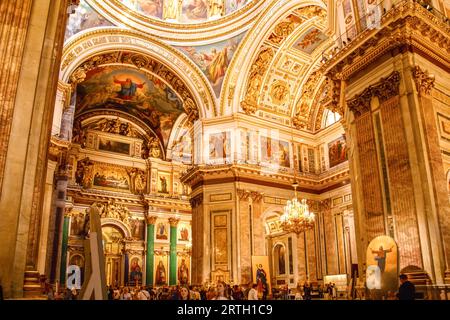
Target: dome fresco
185 11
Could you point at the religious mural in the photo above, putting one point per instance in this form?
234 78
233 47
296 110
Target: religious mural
219 145
85 17
183 270
128 90
337 151
135 271
105 144
185 11
309 41
261 275
182 148
163 183
137 229
162 231
382 264
275 151
111 178
183 232
214 59
161 268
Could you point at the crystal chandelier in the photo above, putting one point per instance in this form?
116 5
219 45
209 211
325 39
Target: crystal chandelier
296 217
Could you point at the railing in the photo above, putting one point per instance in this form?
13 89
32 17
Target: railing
373 19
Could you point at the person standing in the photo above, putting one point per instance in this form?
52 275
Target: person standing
306 291
253 293
407 290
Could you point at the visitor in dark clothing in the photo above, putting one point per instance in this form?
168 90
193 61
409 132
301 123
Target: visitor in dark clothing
407 290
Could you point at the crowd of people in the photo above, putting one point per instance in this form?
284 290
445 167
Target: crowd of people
223 291
220 291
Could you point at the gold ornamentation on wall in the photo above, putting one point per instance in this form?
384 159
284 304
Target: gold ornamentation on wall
257 72
283 29
279 92
152 149
173 222
113 210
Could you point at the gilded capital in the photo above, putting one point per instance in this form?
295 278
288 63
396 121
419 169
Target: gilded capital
424 82
150 219
174 222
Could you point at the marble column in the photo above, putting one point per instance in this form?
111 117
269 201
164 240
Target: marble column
29 65
173 251
46 214
149 261
64 244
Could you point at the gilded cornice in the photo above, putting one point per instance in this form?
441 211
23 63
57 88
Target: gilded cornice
407 26
180 33
132 201
237 172
112 39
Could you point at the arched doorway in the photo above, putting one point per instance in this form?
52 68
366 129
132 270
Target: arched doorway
113 245
281 250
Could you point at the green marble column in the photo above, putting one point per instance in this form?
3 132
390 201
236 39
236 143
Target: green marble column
64 244
149 266
173 251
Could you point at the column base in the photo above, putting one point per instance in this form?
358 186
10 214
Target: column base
32 288
447 276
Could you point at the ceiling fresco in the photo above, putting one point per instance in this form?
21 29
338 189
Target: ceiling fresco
84 17
213 59
310 41
134 92
185 11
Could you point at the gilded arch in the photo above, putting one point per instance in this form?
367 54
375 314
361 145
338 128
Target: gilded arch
97 47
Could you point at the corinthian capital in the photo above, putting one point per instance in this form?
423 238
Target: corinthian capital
424 81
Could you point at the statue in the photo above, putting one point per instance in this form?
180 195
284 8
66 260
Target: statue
84 173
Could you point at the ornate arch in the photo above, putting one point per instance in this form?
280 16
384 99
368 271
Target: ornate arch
118 224
236 80
97 47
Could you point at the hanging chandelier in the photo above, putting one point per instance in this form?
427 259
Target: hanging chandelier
296 217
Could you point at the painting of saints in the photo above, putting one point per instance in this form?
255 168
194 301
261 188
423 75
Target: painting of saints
337 152
184 234
217 66
160 274
216 8
161 231
261 280
183 273
171 9
128 88
219 145
163 186
195 10
136 273
281 260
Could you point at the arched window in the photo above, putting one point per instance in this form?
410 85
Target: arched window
329 118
